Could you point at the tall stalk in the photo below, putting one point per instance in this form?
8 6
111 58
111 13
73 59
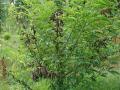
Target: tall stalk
58 30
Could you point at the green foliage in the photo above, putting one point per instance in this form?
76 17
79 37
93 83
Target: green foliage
71 38
84 44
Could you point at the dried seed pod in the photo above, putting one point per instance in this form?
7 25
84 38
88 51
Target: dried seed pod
107 12
39 72
52 74
3 68
43 72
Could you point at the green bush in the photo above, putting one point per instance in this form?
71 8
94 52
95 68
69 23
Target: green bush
71 40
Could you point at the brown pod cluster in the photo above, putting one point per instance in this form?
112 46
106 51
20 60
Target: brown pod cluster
42 72
3 70
107 12
116 40
58 23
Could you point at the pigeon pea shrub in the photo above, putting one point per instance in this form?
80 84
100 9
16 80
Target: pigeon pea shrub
72 39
